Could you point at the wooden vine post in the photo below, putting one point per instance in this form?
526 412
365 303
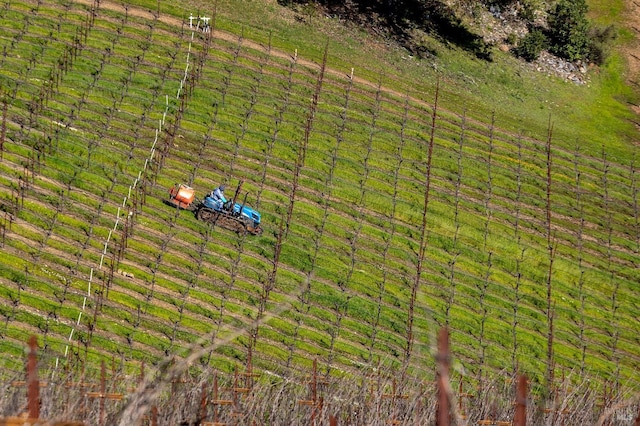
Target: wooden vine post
443 362
239 388
32 415
249 375
316 402
242 385
102 395
33 385
202 414
461 397
520 416
217 402
394 396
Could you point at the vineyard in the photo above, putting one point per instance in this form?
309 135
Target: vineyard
386 216
242 397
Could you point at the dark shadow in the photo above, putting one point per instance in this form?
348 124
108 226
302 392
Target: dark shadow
396 20
442 23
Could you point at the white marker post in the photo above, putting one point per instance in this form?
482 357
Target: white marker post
205 23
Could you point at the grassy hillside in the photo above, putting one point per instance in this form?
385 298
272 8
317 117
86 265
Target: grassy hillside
507 209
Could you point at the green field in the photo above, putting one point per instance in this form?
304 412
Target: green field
505 212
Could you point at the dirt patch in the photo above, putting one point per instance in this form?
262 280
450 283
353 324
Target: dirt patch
632 50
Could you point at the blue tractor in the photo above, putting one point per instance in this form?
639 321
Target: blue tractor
230 215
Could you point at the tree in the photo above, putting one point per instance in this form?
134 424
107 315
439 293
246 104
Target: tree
568 29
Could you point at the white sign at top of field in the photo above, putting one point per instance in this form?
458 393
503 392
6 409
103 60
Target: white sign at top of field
200 22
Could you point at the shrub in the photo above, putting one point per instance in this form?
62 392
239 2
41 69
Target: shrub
568 29
532 45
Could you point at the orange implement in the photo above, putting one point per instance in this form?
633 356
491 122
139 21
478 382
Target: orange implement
181 196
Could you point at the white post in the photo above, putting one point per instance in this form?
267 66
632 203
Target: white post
205 24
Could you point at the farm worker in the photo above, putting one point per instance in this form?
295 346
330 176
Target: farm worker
218 194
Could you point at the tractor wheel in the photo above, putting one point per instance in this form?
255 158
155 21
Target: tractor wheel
206 215
240 226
